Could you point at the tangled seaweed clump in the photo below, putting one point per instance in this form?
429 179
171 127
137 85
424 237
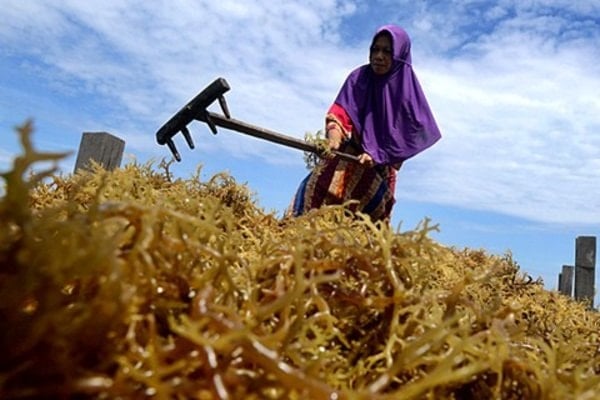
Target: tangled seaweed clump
131 284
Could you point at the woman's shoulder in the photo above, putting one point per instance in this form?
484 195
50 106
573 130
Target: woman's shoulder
357 75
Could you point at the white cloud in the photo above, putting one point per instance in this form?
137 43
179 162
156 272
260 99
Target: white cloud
513 86
520 128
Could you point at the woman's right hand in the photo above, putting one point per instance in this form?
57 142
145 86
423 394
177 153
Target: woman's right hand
366 159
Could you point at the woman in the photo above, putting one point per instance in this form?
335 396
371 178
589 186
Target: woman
382 116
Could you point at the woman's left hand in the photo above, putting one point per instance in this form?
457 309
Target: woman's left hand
366 160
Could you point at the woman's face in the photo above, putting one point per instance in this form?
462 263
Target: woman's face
380 55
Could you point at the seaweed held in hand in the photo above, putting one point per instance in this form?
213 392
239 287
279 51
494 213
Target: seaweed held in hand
132 284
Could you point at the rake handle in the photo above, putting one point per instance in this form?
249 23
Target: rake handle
271 136
196 109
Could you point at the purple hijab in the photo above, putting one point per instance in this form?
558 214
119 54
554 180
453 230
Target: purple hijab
390 111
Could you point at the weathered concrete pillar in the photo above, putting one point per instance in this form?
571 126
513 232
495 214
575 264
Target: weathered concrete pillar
585 266
102 147
565 280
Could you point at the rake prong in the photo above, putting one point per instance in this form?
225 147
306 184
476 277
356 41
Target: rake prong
188 138
211 124
173 149
193 110
224 107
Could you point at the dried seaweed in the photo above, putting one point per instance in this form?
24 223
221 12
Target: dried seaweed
319 140
132 284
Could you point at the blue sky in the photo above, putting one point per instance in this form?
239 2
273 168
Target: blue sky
514 86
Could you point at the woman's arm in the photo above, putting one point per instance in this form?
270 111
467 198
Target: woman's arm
338 126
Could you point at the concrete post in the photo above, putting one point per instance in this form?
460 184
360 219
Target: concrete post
102 147
585 265
565 280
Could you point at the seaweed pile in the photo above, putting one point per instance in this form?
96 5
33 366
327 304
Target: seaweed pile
131 284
